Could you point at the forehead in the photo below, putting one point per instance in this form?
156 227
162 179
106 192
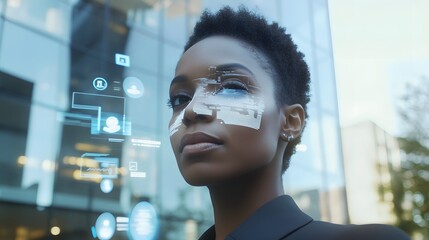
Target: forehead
215 51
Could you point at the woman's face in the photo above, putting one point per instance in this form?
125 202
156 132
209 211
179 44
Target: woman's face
225 120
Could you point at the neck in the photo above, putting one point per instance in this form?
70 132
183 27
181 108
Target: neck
234 201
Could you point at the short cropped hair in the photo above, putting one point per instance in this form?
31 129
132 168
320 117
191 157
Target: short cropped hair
286 64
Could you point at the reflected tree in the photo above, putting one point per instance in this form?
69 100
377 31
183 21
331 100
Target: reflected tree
410 185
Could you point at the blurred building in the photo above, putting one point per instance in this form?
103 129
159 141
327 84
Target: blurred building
61 76
370 153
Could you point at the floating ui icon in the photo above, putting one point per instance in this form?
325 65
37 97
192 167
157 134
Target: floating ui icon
143 222
105 226
112 125
133 87
99 83
122 60
133 90
106 185
133 166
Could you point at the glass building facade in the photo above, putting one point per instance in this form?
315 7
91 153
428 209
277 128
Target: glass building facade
84 142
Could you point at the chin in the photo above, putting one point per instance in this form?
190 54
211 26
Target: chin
198 176
202 176
197 182
201 179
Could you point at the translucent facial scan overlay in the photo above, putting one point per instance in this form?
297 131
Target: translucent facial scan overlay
177 123
229 97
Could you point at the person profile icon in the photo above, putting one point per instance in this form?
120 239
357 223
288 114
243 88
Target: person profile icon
112 125
133 87
133 90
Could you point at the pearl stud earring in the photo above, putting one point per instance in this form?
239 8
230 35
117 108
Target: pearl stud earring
287 137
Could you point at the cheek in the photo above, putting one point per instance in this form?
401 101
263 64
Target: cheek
250 149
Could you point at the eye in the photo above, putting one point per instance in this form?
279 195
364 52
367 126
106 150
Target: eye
232 86
178 100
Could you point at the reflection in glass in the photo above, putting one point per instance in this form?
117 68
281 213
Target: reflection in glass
50 50
49 16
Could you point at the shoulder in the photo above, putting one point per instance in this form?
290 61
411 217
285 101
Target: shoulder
325 230
375 231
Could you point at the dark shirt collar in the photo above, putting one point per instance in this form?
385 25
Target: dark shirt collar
275 220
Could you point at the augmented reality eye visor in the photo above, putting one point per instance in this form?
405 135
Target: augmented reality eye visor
231 98
219 77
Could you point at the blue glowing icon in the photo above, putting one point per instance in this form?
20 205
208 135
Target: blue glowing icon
143 223
112 125
105 226
106 185
133 87
99 83
122 60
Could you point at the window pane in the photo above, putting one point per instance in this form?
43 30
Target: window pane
48 16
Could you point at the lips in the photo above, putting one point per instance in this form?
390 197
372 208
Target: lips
199 141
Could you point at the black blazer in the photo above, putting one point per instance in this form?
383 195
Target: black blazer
281 219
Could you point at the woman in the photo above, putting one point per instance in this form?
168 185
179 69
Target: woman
239 100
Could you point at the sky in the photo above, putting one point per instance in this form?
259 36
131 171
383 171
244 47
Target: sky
379 46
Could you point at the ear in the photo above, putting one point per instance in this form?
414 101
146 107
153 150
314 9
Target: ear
293 121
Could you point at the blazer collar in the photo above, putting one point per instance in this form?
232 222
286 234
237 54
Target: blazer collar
275 220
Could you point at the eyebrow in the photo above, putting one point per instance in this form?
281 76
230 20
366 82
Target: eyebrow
178 79
223 67
233 66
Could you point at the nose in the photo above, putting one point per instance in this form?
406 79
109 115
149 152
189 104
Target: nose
196 111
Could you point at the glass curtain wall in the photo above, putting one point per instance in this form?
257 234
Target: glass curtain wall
84 146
